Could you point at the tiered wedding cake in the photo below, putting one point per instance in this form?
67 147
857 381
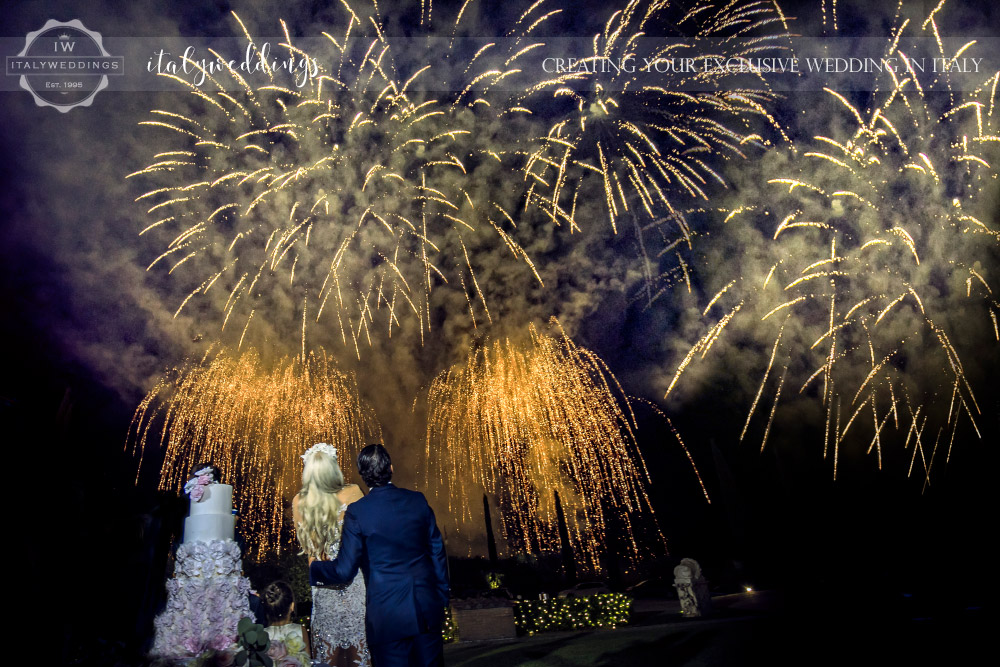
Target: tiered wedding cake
208 593
211 518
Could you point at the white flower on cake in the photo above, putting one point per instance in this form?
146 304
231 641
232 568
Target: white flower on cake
188 567
205 600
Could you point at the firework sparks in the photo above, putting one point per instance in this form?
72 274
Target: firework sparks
524 421
887 238
254 424
354 191
642 143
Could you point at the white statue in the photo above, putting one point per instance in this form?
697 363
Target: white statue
692 589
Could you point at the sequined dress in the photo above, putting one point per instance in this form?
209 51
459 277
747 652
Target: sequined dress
338 617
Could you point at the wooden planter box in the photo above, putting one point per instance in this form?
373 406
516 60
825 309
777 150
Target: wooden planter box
476 623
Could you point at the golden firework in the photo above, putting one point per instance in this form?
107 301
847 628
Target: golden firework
860 286
254 424
353 191
527 421
646 124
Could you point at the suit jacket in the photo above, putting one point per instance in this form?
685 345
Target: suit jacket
257 610
391 535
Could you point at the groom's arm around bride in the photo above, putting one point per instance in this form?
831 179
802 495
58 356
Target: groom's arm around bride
392 537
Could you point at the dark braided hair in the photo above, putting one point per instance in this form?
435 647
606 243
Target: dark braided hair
277 599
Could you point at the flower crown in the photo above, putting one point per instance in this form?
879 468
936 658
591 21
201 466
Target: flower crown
329 450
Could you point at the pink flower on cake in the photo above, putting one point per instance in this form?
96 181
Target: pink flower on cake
195 486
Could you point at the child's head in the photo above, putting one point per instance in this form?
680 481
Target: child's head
278 601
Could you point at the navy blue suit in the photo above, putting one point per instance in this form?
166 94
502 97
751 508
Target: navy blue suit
391 535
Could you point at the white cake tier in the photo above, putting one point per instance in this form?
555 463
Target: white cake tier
208 527
217 499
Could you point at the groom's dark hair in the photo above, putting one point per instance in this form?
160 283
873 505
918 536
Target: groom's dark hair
375 466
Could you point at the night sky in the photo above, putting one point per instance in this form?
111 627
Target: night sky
86 331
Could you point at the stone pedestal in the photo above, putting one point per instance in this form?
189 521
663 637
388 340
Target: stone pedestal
692 589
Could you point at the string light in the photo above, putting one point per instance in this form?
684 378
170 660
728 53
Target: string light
604 610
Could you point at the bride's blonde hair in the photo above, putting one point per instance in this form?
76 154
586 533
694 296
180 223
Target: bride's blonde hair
319 508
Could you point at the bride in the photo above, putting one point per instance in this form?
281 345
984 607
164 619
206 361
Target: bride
338 615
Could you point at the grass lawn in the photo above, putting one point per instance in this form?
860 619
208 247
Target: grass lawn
799 637
708 642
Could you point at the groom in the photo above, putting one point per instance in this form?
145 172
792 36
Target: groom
392 536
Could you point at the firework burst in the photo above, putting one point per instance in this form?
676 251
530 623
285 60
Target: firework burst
643 128
524 421
350 196
254 424
866 271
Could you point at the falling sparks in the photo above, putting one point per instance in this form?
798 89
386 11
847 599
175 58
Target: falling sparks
525 421
885 240
355 197
355 189
641 144
254 424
